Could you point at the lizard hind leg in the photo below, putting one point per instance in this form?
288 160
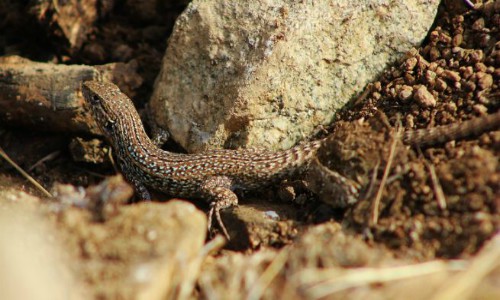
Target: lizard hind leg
218 191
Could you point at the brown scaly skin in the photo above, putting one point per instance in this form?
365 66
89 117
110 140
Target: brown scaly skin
211 175
215 175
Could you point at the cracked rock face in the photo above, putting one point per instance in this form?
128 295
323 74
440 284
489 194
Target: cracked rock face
267 73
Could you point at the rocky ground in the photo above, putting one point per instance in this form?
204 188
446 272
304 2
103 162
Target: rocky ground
434 232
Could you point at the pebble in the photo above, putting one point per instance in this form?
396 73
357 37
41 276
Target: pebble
484 81
423 97
451 75
405 92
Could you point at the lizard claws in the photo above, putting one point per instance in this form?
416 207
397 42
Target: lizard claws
215 209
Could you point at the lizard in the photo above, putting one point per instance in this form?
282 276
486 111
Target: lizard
215 175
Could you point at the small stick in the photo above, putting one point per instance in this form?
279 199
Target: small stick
268 275
25 175
373 180
376 202
48 157
438 190
469 3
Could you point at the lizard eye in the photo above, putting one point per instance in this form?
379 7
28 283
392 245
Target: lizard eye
108 126
94 100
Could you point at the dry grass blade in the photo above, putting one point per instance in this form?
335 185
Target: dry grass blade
373 181
462 285
24 174
186 287
268 275
213 245
438 190
112 160
324 283
378 196
48 157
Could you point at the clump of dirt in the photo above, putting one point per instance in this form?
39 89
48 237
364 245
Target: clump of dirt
439 201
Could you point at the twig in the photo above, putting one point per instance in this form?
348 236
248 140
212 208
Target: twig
469 3
373 180
186 287
25 175
98 175
212 246
48 157
438 190
268 275
112 160
323 283
376 201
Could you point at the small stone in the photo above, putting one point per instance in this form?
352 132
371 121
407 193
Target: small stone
484 40
122 53
405 92
451 75
439 70
423 97
475 201
466 72
391 92
457 40
483 99
480 67
422 63
458 52
496 57
480 109
478 25
433 66
396 73
496 73
470 86
88 151
444 38
434 54
485 81
410 63
450 107
409 79
476 56
430 77
488 8
440 85
412 52
410 121
495 20
446 53
453 64
442 63
434 36
94 51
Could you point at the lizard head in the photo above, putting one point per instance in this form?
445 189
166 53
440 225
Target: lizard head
110 108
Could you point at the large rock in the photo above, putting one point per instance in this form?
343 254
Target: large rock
267 73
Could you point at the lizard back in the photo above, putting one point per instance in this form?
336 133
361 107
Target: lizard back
182 174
